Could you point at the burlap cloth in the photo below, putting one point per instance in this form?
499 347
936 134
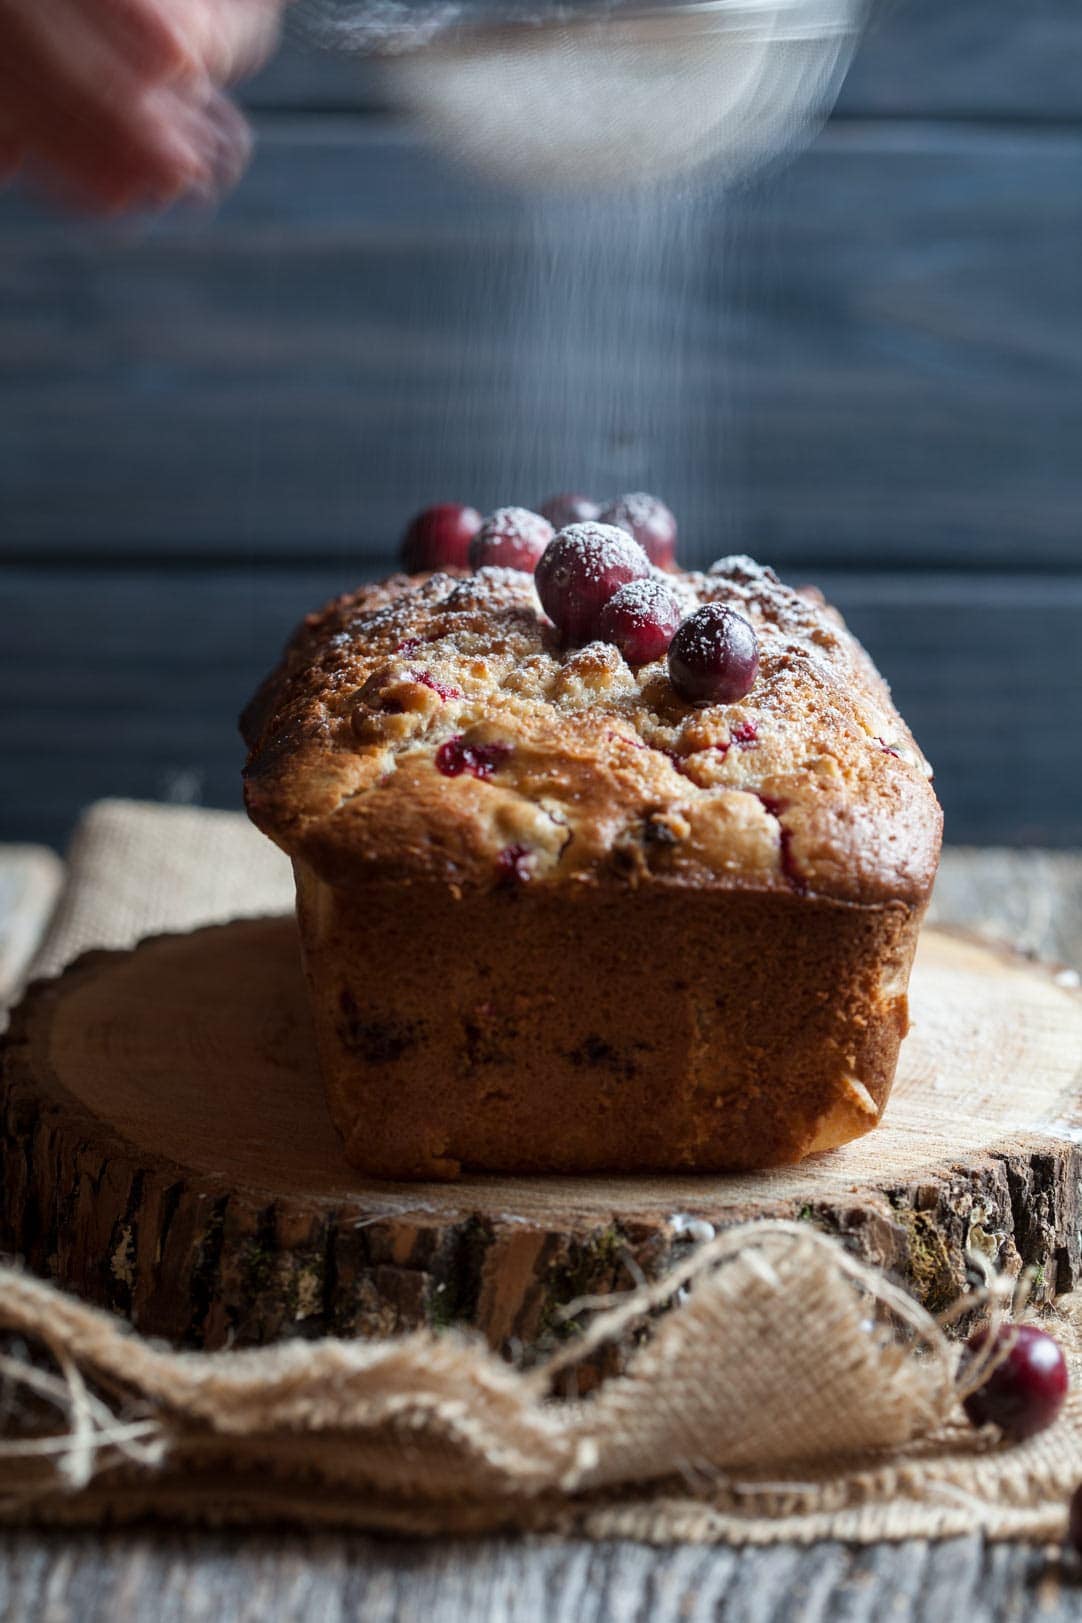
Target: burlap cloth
778 1390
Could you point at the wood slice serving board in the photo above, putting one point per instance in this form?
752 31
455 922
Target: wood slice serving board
165 1150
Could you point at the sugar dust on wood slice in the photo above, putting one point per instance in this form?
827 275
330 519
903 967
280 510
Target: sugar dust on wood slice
165 1150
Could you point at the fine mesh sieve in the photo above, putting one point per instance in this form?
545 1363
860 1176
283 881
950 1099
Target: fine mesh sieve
590 95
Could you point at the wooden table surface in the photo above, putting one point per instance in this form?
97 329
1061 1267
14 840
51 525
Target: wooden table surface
170 1576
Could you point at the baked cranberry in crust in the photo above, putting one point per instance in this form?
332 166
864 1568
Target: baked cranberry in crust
627 932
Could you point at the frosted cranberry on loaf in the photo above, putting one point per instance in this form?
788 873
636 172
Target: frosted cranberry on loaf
560 911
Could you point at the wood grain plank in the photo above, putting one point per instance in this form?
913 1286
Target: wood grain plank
874 359
177 1577
128 682
919 58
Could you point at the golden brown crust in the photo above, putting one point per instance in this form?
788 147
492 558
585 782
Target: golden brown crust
585 772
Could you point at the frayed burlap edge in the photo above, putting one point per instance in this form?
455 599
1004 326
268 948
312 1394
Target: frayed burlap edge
784 1391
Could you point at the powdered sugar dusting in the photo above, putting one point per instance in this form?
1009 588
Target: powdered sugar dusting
636 511
646 598
601 548
520 523
701 631
738 566
640 619
648 520
714 656
580 571
511 538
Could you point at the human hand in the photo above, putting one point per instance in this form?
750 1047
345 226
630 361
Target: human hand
118 104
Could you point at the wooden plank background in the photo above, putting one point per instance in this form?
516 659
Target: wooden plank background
866 369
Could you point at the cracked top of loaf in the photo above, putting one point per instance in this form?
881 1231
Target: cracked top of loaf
432 727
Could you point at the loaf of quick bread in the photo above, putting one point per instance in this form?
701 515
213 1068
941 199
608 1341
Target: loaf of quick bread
558 916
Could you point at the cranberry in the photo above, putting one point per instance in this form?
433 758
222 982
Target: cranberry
640 619
744 734
513 538
714 656
439 538
479 760
649 521
443 690
513 865
774 807
1025 1392
569 508
1074 1521
581 569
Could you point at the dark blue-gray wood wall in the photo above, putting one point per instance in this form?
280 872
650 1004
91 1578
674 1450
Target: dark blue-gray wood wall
866 369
